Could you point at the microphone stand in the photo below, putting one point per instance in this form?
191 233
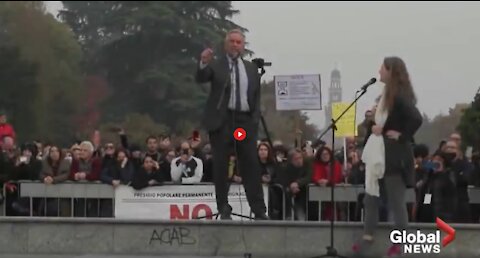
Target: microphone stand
331 251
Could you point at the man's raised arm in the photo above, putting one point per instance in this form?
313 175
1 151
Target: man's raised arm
204 71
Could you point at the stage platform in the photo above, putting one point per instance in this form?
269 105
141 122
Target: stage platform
90 237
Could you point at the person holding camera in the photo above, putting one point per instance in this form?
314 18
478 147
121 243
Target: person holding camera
436 191
186 169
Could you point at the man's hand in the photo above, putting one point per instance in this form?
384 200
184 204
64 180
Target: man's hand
48 180
152 182
237 179
266 179
115 183
322 182
206 56
377 130
294 188
156 165
184 158
80 176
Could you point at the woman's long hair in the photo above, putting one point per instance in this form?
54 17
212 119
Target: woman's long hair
318 155
270 157
399 83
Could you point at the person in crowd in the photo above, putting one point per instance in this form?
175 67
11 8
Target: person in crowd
166 164
267 163
207 164
462 171
55 170
437 193
422 168
27 167
270 177
295 177
186 169
165 143
6 129
357 172
388 153
148 175
364 126
152 149
108 159
75 150
281 154
356 176
86 167
322 176
120 172
7 158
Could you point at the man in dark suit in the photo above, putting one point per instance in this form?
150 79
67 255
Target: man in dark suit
234 102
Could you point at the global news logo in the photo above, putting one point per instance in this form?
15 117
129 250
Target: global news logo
421 243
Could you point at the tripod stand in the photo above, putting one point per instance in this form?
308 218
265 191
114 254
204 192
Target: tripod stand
331 250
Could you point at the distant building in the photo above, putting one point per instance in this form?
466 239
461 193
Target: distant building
334 95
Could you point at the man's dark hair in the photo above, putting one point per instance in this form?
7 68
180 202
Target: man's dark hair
420 151
151 137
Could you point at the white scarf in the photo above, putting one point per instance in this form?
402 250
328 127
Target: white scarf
374 153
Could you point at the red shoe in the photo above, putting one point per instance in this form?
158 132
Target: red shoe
394 251
360 247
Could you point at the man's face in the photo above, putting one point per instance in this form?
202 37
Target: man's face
234 44
456 138
369 116
110 149
297 160
451 147
152 145
165 143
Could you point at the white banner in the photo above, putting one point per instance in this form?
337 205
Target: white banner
298 92
177 202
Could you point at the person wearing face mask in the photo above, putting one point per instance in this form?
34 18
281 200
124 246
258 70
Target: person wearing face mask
234 102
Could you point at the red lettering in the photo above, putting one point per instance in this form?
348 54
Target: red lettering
175 212
202 207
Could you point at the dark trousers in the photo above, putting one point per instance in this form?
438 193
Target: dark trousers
223 145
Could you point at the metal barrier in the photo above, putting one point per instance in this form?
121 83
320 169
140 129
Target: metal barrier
349 193
96 190
85 190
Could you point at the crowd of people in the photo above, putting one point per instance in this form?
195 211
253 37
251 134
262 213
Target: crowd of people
444 174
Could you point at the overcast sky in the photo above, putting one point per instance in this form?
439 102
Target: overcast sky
439 41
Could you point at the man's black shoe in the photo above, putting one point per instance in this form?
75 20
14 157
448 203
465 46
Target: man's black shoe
262 216
226 213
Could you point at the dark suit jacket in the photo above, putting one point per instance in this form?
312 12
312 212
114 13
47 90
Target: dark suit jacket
406 119
218 74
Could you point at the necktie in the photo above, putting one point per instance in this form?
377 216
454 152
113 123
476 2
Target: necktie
238 103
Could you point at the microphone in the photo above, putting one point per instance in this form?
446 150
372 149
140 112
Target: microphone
370 82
